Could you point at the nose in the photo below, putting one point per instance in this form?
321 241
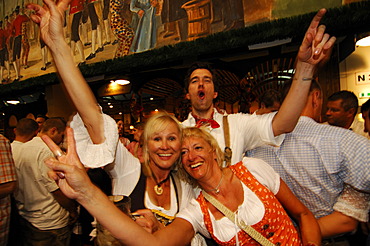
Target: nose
191 155
164 144
328 112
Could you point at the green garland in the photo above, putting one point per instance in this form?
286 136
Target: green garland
348 19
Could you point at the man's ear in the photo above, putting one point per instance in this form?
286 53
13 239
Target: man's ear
352 111
215 95
316 98
187 96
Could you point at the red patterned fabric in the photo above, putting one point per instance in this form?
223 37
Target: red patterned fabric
275 225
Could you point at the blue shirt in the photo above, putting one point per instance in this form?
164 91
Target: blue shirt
316 160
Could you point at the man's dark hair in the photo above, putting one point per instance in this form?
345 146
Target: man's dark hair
139 125
17 10
200 65
349 99
365 108
26 127
269 97
56 122
42 116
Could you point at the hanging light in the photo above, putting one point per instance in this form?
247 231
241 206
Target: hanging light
363 39
121 81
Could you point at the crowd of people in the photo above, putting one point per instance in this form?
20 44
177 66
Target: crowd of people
276 177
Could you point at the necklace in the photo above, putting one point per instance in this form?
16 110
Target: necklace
217 188
157 188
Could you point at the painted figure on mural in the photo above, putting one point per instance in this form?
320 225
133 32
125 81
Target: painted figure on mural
231 12
25 42
4 56
144 24
174 20
17 42
75 12
96 39
120 28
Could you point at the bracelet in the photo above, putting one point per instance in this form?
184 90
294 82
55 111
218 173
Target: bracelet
307 79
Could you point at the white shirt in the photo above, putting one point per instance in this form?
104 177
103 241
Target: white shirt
246 132
34 197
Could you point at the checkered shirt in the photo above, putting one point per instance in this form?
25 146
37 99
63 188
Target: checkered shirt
7 174
316 160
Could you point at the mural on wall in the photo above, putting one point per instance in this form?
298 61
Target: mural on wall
104 29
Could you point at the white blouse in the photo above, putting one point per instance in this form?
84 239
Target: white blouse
251 211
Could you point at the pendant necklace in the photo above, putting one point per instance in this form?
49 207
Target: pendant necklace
217 188
157 188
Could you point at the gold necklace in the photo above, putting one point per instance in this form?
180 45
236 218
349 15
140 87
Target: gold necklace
217 188
157 188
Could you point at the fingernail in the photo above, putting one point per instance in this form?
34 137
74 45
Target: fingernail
317 51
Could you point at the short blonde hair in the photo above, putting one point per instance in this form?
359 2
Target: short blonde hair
204 134
157 123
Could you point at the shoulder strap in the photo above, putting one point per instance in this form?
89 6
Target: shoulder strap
231 216
227 152
178 189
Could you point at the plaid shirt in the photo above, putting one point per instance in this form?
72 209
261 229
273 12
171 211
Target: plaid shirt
316 160
7 174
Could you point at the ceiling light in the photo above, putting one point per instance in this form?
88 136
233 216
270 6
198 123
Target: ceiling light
121 81
363 40
14 102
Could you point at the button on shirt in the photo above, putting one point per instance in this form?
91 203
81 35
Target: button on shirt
315 161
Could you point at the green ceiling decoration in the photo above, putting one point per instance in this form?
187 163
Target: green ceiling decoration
348 19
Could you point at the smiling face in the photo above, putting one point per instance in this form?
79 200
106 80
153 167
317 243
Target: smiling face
198 158
164 146
201 92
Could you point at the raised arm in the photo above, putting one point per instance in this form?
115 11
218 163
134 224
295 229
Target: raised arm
308 226
73 181
50 20
314 51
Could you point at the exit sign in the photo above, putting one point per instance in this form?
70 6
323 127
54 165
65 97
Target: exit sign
362 78
362 95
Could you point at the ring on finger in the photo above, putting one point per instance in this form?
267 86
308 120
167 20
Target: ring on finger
58 153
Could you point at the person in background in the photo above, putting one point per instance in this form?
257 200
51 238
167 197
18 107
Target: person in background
25 131
341 111
326 167
202 86
45 213
365 110
40 119
269 101
8 183
136 146
121 132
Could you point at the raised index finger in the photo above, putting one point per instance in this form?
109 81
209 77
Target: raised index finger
316 20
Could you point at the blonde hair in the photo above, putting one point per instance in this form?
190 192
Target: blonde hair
205 135
157 123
